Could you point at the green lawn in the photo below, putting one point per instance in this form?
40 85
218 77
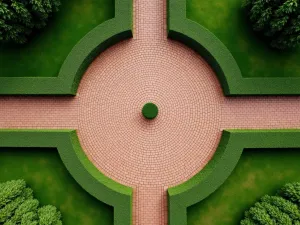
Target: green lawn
227 20
52 184
259 172
44 55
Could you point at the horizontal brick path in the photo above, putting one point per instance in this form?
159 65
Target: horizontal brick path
149 155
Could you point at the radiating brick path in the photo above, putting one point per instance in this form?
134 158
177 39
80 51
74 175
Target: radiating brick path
149 155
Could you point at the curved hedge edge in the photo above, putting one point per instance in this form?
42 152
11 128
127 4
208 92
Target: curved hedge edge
87 50
82 170
227 155
91 45
221 60
180 36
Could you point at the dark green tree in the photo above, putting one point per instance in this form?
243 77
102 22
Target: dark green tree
18 206
277 20
283 208
19 18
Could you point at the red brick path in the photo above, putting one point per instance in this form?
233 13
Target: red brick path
149 155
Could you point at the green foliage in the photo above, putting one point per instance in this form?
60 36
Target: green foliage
48 215
8 210
10 190
28 206
19 18
150 111
278 20
281 209
18 207
291 192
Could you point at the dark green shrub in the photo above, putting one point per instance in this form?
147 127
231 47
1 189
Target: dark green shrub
18 206
277 20
150 110
291 192
283 208
19 18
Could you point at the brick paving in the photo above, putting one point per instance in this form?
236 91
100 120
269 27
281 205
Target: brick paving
149 156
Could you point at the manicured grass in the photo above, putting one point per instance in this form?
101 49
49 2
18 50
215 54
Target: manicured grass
52 184
45 53
259 172
227 20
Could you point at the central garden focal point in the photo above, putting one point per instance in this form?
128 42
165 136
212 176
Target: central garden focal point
150 111
219 128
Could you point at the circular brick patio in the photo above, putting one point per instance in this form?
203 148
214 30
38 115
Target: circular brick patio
120 141
149 155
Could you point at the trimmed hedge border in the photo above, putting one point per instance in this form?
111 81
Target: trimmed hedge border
77 163
80 57
219 168
219 57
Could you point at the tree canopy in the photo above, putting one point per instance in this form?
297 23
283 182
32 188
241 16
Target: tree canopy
282 208
277 20
19 207
19 18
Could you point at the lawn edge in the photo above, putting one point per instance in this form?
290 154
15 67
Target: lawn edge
79 166
83 53
219 168
182 29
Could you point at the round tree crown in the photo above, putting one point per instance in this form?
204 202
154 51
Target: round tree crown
19 18
277 20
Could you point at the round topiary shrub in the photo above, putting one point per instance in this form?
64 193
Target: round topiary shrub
19 18
283 208
150 110
277 20
18 206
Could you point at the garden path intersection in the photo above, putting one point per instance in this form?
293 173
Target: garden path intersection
149 155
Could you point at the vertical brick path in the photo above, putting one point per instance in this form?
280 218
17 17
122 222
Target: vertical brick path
149 156
149 20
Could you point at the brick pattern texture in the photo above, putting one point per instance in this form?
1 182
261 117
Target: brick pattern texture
149 156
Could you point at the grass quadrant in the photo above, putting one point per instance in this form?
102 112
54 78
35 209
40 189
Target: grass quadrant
219 57
44 55
78 59
258 172
207 181
78 165
253 56
52 184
